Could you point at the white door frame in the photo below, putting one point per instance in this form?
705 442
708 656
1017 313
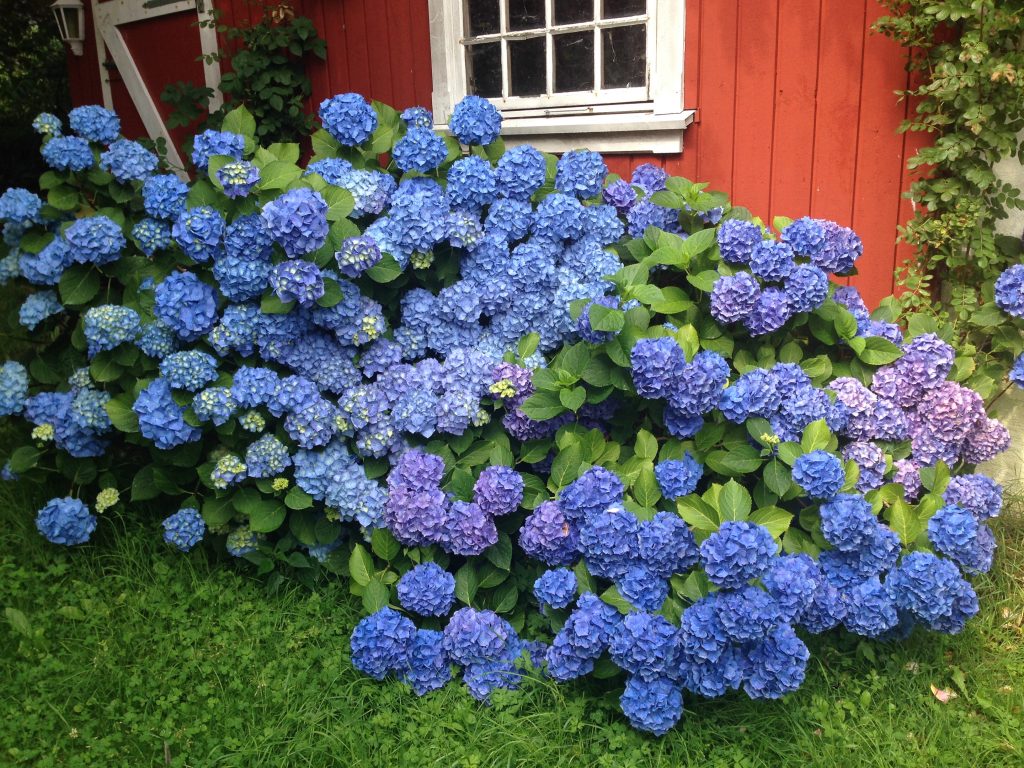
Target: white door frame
108 16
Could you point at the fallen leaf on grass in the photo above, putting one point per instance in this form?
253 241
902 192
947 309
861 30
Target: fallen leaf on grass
945 695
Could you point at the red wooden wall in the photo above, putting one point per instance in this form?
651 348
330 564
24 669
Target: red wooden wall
796 110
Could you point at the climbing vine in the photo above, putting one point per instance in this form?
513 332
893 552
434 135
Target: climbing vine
967 90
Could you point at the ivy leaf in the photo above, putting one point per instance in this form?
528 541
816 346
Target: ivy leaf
360 565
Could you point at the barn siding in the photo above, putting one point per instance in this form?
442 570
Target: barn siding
795 106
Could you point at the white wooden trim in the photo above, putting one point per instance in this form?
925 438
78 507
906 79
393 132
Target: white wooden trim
140 95
125 11
210 46
635 119
101 56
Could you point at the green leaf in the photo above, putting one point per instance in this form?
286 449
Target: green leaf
688 339
360 565
505 597
703 281
565 468
776 520
573 398
466 583
144 484
646 446
24 458
287 152
616 600
734 502
104 368
376 595
298 499
63 198
604 318
904 520
777 477
271 305
741 460
278 175
324 145
340 202
698 513
541 406
528 344
575 359
816 436
19 622
119 409
384 271
845 323
673 300
699 242
878 351
79 284
645 488
217 511
384 544
266 516
500 554
240 120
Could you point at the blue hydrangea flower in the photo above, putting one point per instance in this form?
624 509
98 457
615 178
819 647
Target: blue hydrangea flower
21 207
645 645
88 410
1009 289
581 173
297 220
478 637
108 326
198 231
771 260
157 340
10 268
13 388
666 546
238 178
468 530
380 643
420 150
241 541
1016 374
555 588
736 240
792 581
736 553
267 457
162 420
678 477
46 124
870 609
827 609
847 522
475 121
770 312
164 196
94 123
547 536
210 143
184 529
521 171
610 542
646 214
348 118
806 288
65 521
819 473
37 307
228 471
642 588
952 530
747 614
471 183
559 217
978 493
420 117
95 240
426 667
498 491
657 365
654 706
128 161
152 235
650 178
593 492
700 383
777 665
299 281
356 255
67 153
842 248
186 304
427 589
805 236
620 194
734 297
870 460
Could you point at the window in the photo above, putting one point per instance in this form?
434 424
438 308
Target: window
606 74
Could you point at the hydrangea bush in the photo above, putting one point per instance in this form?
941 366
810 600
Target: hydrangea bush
546 420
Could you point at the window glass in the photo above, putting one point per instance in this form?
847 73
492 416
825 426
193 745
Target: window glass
484 17
573 11
624 56
574 62
615 9
527 67
525 14
484 63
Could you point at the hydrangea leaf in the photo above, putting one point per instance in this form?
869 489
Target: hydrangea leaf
466 583
79 284
776 520
360 565
734 502
505 597
376 595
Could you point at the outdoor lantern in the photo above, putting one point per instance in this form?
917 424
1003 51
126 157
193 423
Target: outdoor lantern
70 15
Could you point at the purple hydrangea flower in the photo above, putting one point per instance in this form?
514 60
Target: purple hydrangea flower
737 239
549 537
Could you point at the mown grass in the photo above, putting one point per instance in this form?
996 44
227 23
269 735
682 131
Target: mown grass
132 655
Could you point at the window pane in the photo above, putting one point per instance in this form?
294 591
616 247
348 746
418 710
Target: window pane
614 9
573 11
625 56
525 14
574 62
527 65
484 17
485 69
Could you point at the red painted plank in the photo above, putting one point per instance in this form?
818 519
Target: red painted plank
356 48
756 67
912 142
419 28
795 91
686 163
879 161
384 41
718 28
840 59
337 60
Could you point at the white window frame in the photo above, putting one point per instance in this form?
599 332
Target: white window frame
638 119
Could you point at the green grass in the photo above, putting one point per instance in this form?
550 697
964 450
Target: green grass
131 655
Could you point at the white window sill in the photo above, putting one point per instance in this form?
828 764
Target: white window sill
641 132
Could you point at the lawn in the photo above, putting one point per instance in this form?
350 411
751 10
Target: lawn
123 652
